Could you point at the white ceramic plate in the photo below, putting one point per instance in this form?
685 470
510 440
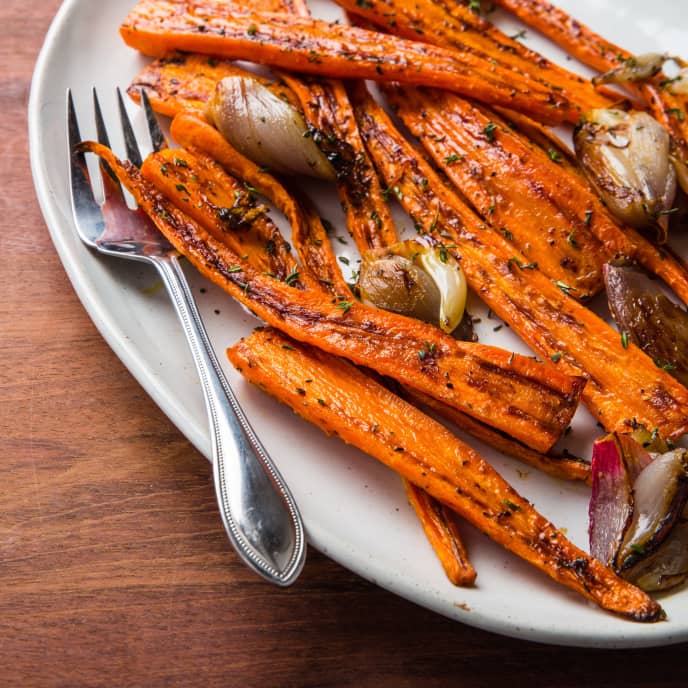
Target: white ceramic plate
354 508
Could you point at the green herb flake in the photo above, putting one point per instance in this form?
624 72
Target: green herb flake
292 277
678 113
489 131
624 340
556 356
554 155
510 505
252 30
345 306
566 288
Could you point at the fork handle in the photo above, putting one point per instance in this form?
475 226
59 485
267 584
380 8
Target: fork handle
257 508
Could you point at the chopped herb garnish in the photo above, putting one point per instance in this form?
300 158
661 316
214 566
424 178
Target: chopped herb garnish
179 162
322 402
452 158
527 266
252 29
292 277
556 356
235 268
624 340
489 131
510 505
572 241
554 155
521 34
677 112
181 187
567 289
345 306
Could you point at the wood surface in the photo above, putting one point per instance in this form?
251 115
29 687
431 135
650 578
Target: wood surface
114 568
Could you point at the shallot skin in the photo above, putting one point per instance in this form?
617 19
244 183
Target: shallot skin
627 158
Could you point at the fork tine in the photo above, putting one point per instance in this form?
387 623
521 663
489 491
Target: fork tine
103 138
86 211
133 151
157 138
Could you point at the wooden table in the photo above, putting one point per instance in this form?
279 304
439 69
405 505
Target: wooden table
114 568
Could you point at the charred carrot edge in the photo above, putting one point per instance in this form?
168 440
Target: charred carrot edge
623 383
440 529
223 206
160 27
595 51
326 106
533 402
508 181
308 235
341 400
563 467
463 29
187 81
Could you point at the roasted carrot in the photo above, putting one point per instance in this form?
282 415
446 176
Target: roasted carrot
594 50
160 27
532 402
439 526
509 183
326 106
564 30
223 206
308 234
187 81
624 385
564 467
341 400
458 27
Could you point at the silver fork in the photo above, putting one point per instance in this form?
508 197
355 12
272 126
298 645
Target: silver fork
258 510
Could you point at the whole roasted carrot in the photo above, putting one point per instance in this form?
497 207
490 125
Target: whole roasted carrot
341 400
624 385
531 401
160 27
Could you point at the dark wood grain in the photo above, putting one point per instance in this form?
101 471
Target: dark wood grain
114 570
